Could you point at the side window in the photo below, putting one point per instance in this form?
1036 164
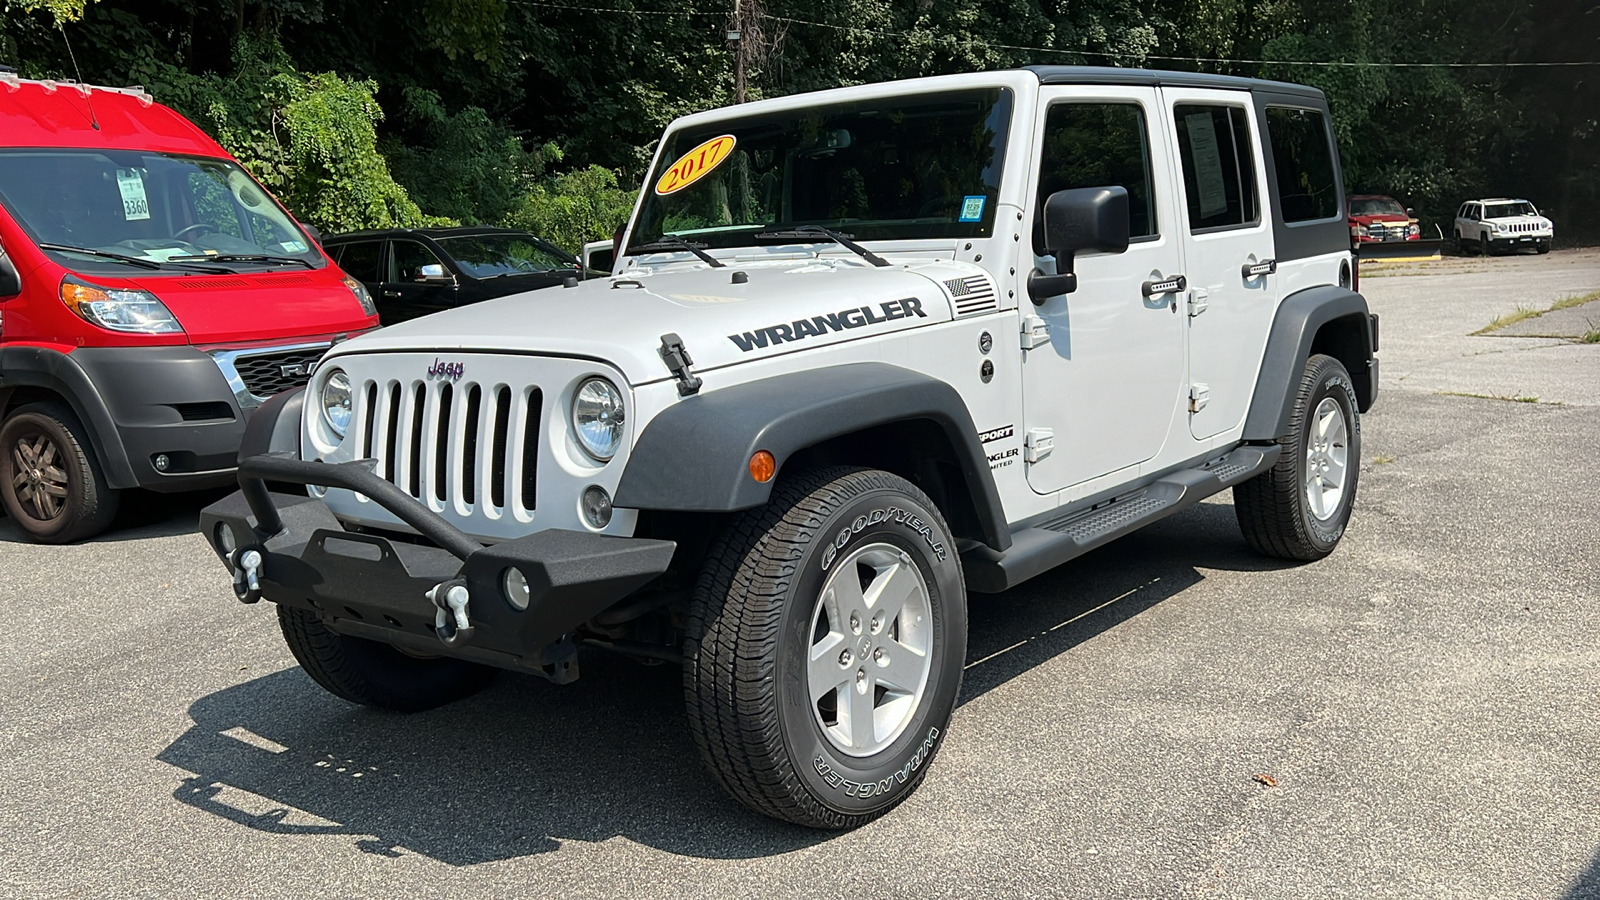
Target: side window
1098 144
1303 155
1219 170
360 260
409 258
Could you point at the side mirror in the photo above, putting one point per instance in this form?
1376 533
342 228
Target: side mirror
1411 212
10 279
1079 220
434 273
312 232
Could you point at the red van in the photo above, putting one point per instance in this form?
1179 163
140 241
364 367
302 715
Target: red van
151 295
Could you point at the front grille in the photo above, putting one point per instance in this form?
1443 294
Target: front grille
972 294
470 445
265 374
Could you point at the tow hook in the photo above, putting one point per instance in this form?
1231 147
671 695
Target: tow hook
246 565
450 623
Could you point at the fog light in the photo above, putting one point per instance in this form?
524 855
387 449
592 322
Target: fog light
596 506
224 539
162 463
515 586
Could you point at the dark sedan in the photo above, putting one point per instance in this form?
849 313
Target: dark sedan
412 272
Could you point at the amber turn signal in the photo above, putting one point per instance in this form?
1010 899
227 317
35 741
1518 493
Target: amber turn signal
763 466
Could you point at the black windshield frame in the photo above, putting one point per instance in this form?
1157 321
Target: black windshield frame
921 163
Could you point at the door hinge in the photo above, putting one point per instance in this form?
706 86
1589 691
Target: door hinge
1199 299
1035 332
1038 444
1199 396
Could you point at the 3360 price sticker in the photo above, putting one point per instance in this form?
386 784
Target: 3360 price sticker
694 165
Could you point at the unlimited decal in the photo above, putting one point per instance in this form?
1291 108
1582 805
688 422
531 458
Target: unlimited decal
855 317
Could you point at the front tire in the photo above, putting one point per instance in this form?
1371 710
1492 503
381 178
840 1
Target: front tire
375 674
825 646
50 483
1300 507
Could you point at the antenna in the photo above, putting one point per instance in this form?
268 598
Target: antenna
87 99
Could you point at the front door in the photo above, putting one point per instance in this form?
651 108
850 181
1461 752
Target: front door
418 283
1227 252
1106 385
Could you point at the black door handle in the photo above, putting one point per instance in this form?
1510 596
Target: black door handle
1167 286
1256 270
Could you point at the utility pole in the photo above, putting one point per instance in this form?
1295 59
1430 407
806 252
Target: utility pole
736 42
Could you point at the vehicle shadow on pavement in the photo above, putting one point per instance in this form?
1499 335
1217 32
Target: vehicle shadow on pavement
143 514
525 764
1587 885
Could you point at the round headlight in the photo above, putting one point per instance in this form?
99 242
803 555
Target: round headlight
598 417
336 402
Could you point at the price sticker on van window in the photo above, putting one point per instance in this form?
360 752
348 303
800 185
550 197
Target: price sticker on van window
134 205
694 165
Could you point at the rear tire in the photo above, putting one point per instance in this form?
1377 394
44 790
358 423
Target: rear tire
50 483
1299 508
375 674
825 646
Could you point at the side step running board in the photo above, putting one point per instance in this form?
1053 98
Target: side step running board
1049 543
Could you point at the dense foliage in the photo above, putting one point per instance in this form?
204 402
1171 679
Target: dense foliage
544 113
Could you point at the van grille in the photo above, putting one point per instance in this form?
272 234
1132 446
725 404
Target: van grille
470 445
265 374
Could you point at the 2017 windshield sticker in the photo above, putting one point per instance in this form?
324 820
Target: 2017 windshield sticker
816 326
972 208
694 165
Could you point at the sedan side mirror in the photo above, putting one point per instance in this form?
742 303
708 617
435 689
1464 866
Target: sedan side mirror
1078 220
10 279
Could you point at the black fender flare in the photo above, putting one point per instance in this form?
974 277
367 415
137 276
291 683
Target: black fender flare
274 426
59 373
1294 329
695 455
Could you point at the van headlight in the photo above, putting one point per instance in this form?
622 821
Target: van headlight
337 402
118 309
598 415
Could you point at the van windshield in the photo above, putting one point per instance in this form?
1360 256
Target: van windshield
153 207
922 166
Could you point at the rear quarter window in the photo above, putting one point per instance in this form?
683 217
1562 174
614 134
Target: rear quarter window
1302 151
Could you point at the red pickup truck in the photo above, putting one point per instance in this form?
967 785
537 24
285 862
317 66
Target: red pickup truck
1376 219
152 294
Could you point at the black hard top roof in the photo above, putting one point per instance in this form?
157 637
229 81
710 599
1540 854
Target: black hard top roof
1160 78
435 233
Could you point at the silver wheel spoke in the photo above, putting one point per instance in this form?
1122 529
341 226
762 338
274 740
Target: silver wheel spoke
825 671
863 724
888 592
903 667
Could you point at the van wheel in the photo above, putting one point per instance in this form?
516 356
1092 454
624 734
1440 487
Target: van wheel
1299 508
824 648
373 673
50 484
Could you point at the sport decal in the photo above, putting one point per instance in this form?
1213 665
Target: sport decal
855 317
694 165
1004 431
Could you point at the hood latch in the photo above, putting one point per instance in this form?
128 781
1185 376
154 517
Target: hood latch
678 362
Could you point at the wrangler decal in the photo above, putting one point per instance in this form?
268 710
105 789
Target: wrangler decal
817 326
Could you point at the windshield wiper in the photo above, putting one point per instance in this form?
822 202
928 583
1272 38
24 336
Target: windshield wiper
87 251
672 243
242 257
817 234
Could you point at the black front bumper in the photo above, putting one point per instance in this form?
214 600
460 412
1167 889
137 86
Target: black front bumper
373 587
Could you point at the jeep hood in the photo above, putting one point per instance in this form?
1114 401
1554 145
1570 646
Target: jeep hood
775 307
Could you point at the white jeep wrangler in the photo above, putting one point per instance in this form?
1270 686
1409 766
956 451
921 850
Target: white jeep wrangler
1502 224
865 352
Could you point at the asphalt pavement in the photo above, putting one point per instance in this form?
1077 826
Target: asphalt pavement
1169 716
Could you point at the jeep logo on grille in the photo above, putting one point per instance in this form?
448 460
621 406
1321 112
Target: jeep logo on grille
295 370
451 370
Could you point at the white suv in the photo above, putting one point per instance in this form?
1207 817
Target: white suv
866 353
1502 224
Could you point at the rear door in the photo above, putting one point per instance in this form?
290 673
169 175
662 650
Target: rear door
363 261
1227 252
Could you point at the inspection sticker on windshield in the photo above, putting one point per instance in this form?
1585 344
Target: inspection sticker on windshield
972 208
694 165
134 204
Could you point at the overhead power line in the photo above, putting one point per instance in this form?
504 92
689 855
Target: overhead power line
1099 54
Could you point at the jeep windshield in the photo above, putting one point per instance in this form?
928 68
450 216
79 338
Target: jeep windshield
112 209
896 168
1508 210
